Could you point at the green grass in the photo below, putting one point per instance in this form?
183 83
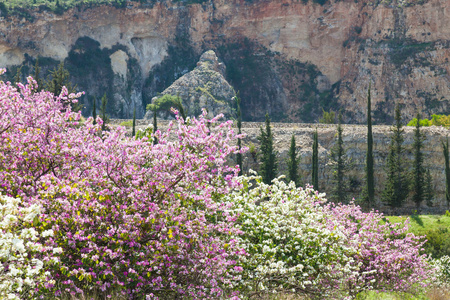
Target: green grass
372 295
432 294
435 228
128 123
420 224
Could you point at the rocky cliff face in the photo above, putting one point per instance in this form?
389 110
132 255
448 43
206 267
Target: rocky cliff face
287 57
203 88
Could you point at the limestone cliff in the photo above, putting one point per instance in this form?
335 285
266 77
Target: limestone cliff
203 88
287 57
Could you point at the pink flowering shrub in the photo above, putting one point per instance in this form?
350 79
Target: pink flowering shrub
388 257
131 218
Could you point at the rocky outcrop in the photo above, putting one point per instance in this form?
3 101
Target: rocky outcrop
287 57
204 87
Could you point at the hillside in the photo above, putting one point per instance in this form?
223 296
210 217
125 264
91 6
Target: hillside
287 57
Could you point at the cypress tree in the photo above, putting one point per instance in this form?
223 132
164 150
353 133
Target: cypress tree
315 161
340 165
58 78
103 112
428 192
239 125
268 155
18 77
133 132
418 168
94 111
293 162
447 171
37 76
370 189
396 189
155 127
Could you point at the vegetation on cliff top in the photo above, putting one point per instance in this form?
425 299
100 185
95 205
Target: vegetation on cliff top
436 120
19 7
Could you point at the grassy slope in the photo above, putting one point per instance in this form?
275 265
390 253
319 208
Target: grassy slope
419 224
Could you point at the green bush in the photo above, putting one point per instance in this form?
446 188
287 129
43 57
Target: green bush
436 120
128 123
438 242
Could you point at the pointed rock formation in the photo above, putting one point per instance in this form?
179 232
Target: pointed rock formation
203 87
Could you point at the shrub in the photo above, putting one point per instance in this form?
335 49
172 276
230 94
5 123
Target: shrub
128 123
22 268
298 244
132 218
443 270
438 242
289 245
388 257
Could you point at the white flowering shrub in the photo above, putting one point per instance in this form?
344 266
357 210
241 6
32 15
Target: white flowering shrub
442 267
20 269
289 246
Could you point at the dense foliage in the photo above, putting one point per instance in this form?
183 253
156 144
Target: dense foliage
418 172
269 164
118 216
443 271
131 217
58 6
396 189
447 170
298 244
340 165
293 162
22 255
436 120
165 104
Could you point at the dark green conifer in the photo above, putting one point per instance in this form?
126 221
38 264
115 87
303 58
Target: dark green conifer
18 77
418 176
397 184
447 171
429 191
133 132
58 78
340 165
239 125
370 187
293 163
37 76
94 111
155 127
103 114
268 168
315 161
